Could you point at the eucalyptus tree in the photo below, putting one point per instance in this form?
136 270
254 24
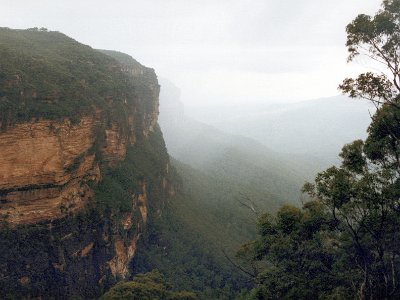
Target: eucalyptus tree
363 194
345 243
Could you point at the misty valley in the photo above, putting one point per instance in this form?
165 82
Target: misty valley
118 181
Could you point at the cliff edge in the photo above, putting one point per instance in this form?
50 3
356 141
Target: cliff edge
83 165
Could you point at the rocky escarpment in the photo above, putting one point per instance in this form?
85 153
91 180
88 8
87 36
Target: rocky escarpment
44 170
45 166
83 165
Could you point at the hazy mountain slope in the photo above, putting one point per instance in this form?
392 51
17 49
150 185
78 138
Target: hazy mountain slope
317 127
232 157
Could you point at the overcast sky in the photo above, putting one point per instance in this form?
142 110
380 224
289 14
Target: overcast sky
216 51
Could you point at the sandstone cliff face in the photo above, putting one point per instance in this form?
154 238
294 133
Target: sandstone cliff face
44 170
125 250
49 173
45 165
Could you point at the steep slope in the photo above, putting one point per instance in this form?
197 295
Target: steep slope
83 165
190 242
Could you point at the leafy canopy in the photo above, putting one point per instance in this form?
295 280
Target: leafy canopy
149 286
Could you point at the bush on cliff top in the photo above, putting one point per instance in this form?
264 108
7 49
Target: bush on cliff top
49 75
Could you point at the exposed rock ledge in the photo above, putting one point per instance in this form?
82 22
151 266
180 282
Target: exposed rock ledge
45 168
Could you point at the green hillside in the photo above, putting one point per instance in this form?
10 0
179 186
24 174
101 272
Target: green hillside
49 75
196 233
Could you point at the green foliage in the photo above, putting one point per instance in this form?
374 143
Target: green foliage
292 259
384 135
353 158
147 286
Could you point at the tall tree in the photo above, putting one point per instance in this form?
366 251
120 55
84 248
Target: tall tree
354 236
377 38
363 194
